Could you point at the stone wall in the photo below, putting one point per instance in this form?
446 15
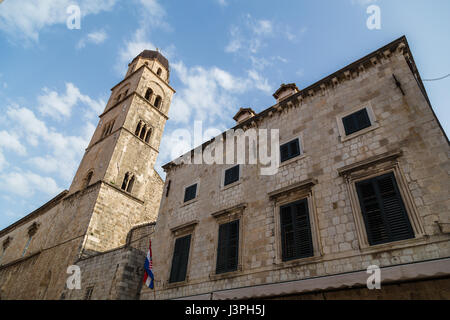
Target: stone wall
405 139
115 274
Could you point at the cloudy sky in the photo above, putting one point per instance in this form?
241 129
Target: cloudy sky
224 54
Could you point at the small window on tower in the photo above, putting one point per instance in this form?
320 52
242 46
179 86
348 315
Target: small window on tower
128 182
148 94
159 72
148 135
158 102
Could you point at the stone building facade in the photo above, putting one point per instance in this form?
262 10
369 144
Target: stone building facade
115 190
363 181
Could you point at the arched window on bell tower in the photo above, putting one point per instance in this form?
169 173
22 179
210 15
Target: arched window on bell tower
148 94
143 131
148 135
138 129
159 72
158 101
128 182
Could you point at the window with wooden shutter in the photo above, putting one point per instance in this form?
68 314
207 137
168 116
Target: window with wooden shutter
228 247
296 237
356 121
180 259
383 210
231 175
190 193
290 150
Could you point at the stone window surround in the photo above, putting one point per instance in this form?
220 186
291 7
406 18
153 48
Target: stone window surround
225 216
222 177
373 121
179 232
370 168
295 192
302 154
197 182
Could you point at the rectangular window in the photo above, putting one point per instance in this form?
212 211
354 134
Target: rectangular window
296 238
228 247
383 210
180 259
231 175
190 193
356 121
290 150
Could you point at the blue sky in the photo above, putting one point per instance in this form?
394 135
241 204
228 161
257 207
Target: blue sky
224 54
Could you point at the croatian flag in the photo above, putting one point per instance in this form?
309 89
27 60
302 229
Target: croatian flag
148 266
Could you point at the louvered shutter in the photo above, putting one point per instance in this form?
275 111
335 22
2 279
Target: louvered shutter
290 150
284 152
190 193
356 121
296 231
383 210
228 247
231 175
180 259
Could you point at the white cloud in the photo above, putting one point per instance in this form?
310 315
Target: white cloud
10 141
223 3
263 27
27 18
59 106
209 93
3 162
25 184
95 37
65 151
152 15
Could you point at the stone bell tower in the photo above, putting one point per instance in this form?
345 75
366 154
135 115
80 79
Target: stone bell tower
122 153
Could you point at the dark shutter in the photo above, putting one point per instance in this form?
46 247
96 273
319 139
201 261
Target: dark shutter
228 247
190 193
296 231
180 259
383 210
356 121
231 175
290 150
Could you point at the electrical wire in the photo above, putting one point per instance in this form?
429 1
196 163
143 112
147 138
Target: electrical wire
441 78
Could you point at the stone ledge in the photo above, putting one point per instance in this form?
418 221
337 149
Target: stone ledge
302 185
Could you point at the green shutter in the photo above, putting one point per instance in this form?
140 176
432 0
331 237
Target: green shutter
180 259
228 247
383 210
296 236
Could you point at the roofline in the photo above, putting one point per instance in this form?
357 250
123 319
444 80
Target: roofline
47 206
354 65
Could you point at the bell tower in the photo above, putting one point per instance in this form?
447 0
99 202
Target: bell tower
122 153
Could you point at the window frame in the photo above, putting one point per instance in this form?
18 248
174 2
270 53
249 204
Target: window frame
370 168
300 150
225 216
383 216
224 171
179 232
227 245
174 281
299 257
196 192
372 118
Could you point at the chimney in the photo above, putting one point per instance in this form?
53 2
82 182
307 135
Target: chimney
285 91
244 114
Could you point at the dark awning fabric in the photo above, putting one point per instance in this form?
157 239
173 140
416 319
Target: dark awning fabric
400 273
